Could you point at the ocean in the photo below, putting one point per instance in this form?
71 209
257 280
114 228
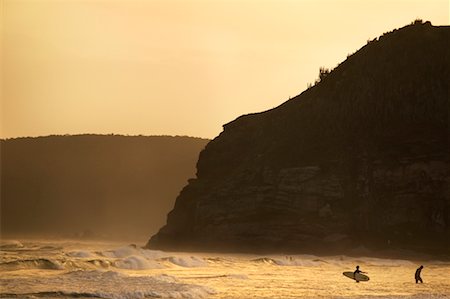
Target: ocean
94 269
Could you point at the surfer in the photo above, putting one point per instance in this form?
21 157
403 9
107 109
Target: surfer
417 275
356 275
356 272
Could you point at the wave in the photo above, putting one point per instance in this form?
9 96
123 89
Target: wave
233 276
187 262
49 248
102 284
10 244
132 250
289 261
414 296
81 254
265 260
137 262
94 274
205 293
218 260
39 263
99 263
340 261
14 245
127 258
133 257
57 294
62 264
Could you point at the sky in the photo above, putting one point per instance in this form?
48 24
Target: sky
175 67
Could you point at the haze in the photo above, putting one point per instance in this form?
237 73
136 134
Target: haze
174 67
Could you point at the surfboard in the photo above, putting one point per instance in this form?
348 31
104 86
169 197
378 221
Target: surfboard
358 277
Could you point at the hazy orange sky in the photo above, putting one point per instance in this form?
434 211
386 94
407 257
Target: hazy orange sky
175 67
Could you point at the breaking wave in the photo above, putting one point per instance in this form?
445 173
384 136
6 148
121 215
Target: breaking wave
10 244
93 270
289 261
39 263
137 262
187 262
81 254
102 284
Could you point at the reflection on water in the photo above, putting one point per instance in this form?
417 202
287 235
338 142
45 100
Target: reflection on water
110 270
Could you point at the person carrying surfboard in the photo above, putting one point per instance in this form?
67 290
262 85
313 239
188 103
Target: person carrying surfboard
417 275
356 275
356 272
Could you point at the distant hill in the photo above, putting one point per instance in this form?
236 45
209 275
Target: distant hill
360 160
92 185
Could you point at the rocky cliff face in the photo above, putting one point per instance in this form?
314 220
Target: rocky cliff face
361 158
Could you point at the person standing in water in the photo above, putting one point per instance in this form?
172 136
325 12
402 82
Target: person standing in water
356 272
417 275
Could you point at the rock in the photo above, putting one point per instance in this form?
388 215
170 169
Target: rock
358 159
325 211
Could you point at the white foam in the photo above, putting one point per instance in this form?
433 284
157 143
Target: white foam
105 284
152 254
135 275
289 261
298 263
81 254
166 278
193 293
133 251
120 252
39 263
187 261
137 262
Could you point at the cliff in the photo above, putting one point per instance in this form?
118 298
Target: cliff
92 185
359 159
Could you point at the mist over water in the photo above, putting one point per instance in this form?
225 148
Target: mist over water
92 186
73 268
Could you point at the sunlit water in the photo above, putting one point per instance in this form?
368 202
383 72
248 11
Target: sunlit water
64 269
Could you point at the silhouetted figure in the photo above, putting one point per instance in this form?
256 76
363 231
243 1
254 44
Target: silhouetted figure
357 271
417 275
